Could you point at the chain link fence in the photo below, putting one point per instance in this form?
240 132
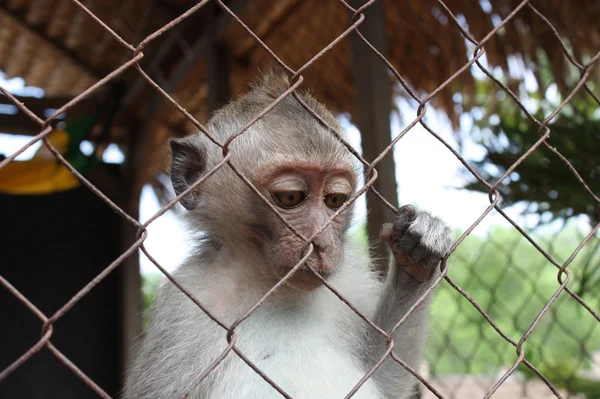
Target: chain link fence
493 319
465 351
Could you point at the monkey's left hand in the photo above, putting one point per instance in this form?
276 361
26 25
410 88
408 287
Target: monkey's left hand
418 241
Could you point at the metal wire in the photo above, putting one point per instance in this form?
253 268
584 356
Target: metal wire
358 17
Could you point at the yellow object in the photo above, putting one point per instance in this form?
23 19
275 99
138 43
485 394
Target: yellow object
42 174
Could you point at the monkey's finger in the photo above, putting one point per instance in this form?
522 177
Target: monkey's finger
386 233
397 240
415 270
405 216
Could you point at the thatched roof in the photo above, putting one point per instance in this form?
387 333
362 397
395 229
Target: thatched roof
54 45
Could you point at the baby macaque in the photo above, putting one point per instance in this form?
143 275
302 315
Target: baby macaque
303 337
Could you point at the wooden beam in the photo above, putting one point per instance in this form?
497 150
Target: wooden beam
373 106
40 105
194 51
204 42
19 123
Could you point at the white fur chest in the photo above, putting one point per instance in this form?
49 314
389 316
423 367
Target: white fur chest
301 356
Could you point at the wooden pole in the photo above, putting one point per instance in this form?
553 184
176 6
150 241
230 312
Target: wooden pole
141 152
373 104
131 279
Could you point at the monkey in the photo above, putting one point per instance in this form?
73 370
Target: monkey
303 337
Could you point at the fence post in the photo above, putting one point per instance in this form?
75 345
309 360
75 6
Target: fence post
373 107
131 281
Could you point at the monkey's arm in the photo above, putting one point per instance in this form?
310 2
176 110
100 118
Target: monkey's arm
418 242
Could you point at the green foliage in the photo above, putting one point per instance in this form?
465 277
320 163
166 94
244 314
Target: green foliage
508 276
543 179
589 388
512 281
150 285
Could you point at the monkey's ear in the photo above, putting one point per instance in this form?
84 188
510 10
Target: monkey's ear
188 163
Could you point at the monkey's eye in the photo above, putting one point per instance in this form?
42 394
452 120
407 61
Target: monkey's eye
288 199
335 200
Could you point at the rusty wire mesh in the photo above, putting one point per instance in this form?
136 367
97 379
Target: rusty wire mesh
549 304
513 273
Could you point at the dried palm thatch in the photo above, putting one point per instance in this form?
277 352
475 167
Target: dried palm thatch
53 44
423 44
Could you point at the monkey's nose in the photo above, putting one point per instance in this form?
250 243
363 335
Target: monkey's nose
322 242
319 246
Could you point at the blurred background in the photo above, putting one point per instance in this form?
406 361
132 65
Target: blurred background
58 235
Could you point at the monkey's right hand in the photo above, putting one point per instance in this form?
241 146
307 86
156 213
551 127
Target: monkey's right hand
418 241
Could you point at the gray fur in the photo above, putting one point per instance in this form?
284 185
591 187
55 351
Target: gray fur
309 342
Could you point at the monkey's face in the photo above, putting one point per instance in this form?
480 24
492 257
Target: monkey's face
295 162
306 197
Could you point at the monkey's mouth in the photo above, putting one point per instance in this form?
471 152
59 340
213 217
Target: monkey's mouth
305 272
323 272
304 279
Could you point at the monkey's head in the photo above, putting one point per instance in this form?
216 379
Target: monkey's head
294 161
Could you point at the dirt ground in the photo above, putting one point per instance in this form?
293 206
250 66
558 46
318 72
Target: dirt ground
476 387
